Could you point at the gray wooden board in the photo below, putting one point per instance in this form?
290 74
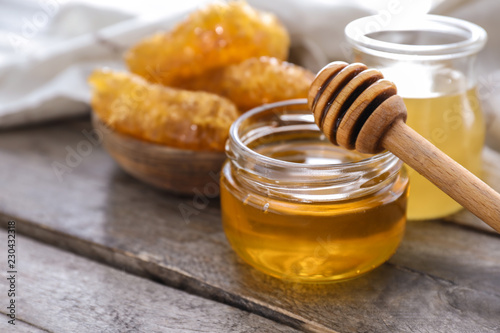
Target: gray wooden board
61 292
444 277
20 327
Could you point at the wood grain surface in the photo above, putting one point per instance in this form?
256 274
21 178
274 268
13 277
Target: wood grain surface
62 292
21 327
444 277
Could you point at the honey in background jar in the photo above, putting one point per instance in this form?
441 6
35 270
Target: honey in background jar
454 123
431 59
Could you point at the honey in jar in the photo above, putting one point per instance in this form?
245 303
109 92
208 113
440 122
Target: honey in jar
299 208
430 58
458 131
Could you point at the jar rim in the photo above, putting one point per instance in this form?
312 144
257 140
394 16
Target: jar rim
301 181
240 145
474 37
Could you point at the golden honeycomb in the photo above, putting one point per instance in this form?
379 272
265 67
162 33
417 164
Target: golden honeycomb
173 117
254 82
217 35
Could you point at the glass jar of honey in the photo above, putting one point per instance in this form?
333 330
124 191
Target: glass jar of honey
299 208
431 60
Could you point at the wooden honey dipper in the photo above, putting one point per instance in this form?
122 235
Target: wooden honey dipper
356 108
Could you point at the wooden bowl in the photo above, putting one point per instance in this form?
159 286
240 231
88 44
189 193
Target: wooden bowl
176 170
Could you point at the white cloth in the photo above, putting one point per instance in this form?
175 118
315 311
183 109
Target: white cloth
49 47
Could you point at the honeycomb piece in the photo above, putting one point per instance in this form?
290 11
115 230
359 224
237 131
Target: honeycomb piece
218 35
254 82
173 117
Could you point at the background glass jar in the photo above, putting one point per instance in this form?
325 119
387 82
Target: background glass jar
297 207
431 60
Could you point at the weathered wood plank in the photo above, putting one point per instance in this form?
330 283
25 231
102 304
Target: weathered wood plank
21 327
443 279
63 292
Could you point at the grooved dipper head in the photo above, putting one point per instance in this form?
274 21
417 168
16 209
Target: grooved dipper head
354 106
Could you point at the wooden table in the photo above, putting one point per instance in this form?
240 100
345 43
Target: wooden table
99 251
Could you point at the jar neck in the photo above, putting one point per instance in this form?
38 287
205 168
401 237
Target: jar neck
431 56
423 79
287 124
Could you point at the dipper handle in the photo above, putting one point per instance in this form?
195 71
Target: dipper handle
456 181
357 109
